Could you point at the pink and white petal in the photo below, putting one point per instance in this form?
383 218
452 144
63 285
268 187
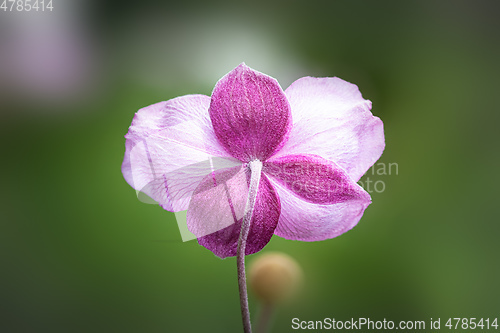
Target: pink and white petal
218 201
217 207
314 179
250 114
332 120
306 221
190 108
170 147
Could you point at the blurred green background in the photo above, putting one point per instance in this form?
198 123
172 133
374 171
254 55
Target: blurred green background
80 252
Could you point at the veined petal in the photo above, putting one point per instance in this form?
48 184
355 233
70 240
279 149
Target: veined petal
314 179
250 114
332 120
217 207
170 147
306 221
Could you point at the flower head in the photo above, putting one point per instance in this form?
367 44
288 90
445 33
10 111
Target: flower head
312 143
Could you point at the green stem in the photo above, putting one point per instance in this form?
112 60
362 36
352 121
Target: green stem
266 314
256 170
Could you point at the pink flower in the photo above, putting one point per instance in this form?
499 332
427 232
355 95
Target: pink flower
311 143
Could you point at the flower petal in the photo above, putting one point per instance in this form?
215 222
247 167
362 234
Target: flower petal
306 221
170 147
217 207
331 119
314 179
250 114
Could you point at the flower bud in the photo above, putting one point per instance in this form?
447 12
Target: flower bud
274 277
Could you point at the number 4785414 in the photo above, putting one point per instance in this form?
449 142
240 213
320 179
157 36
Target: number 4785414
472 323
26 5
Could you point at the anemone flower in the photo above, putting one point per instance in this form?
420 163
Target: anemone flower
253 160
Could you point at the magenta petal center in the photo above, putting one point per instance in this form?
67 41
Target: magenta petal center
314 179
250 114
